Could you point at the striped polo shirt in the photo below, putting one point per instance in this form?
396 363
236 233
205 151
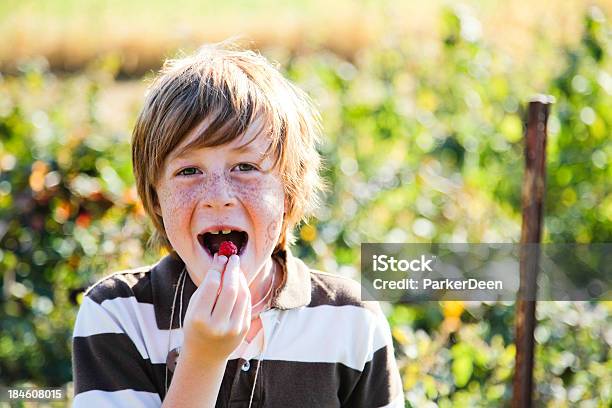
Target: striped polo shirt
323 346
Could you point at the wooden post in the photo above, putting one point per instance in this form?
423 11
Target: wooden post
534 189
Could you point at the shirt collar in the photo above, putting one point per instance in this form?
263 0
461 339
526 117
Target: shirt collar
295 291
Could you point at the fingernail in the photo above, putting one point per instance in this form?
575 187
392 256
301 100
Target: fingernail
235 257
222 259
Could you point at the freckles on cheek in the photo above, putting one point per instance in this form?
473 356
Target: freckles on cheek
175 204
265 199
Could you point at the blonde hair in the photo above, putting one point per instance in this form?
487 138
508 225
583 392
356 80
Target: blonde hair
231 88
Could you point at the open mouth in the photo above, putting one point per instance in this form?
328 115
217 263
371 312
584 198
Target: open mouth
211 241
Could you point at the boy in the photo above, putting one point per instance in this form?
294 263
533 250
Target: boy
225 161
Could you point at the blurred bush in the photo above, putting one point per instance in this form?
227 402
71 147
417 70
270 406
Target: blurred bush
418 149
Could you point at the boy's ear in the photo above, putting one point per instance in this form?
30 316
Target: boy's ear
156 206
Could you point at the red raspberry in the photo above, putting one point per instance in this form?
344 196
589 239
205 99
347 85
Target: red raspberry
227 248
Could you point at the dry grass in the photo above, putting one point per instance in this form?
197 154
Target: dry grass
72 34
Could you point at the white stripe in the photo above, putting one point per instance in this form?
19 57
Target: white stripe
328 334
92 319
123 398
127 315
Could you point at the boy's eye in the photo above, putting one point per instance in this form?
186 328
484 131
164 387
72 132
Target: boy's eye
189 171
245 167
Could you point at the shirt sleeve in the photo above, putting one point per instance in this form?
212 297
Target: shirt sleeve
380 383
109 370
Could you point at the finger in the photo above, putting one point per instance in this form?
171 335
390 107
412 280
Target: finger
237 322
210 285
242 303
241 316
248 314
229 290
221 266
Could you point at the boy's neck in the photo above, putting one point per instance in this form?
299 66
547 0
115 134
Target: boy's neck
260 286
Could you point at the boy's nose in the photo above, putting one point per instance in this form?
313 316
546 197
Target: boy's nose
218 193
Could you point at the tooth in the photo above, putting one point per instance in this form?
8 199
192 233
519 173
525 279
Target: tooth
214 232
226 231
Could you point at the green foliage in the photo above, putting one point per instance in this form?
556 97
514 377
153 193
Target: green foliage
579 188
418 149
64 210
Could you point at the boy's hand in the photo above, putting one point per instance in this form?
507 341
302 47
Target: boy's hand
215 325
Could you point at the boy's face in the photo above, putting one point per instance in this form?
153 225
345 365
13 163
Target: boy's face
222 188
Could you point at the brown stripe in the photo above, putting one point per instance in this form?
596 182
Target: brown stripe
333 290
328 384
376 386
122 285
111 362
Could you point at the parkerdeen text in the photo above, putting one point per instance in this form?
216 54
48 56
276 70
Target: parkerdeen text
437 284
